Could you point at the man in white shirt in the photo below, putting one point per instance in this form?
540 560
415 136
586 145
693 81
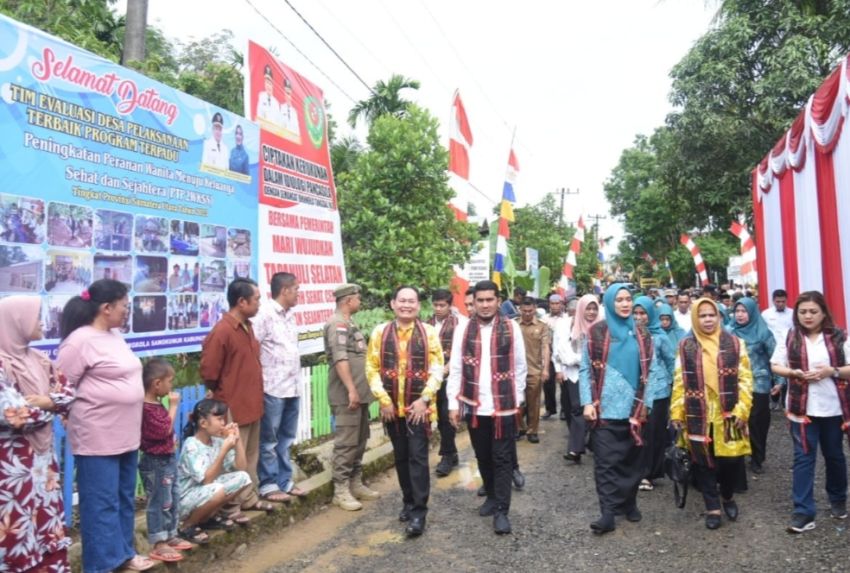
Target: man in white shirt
492 419
216 153
268 108
288 112
277 333
446 323
779 319
682 314
556 317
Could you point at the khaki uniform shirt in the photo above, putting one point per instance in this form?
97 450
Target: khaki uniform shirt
344 341
537 339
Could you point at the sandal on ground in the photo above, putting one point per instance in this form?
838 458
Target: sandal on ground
262 506
277 497
218 522
240 519
138 563
169 554
646 485
180 544
194 534
297 491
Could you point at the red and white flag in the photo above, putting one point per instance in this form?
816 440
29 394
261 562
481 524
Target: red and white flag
460 139
652 262
697 255
748 250
575 249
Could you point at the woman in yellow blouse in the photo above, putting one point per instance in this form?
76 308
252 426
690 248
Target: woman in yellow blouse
712 397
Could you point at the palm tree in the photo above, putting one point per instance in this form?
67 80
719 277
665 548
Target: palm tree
385 99
344 154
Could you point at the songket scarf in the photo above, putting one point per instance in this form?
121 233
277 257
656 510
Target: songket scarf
694 371
502 370
416 372
598 347
798 389
447 332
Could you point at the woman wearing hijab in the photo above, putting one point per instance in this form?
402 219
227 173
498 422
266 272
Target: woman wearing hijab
814 359
568 342
32 392
712 397
657 436
669 325
749 326
617 379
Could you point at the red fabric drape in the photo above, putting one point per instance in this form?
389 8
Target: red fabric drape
761 260
833 282
822 104
789 234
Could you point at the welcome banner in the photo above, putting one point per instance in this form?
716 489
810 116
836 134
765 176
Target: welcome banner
105 173
299 222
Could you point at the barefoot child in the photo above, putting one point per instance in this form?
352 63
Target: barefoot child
212 465
158 466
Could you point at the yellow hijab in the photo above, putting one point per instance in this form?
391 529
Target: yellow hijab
710 344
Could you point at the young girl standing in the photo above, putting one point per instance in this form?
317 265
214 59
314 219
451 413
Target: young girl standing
212 466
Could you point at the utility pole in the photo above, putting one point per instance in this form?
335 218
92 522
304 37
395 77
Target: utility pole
561 212
596 219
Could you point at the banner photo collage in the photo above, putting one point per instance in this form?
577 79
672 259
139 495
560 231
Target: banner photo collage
106 173
299 225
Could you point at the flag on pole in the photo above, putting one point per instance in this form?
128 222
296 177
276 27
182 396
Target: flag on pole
575 249
506 216
669 270
748 250
697 256
652 262
460 141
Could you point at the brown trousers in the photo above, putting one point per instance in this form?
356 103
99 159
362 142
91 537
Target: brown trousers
530 422
350 436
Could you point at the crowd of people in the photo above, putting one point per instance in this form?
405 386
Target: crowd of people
633 376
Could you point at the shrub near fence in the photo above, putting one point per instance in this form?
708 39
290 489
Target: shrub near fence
314 421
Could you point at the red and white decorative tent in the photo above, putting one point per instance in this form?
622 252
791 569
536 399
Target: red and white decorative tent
801 202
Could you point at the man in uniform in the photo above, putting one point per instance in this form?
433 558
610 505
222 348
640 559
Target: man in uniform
288 113
536 336
216 153
404 367
349 397
445 321
268 108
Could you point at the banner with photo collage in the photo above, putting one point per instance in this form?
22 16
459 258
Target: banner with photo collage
106 173
299 225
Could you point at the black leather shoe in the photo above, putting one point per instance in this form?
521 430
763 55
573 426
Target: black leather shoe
547 415
712 520
501 523
756 468
573 457
404 515
533 438
416 527
447 463
604 524
488 508
520 435
482 491
730 508
519 479
634 515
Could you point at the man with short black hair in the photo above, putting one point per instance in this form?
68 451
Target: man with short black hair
468 302
404 367
231 369
277 333
445 322
682 314
538 348
485 387
555 378
779 319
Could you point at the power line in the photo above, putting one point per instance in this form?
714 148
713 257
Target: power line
342 25
297 49
334 52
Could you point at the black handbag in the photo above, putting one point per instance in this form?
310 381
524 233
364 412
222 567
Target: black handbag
677 467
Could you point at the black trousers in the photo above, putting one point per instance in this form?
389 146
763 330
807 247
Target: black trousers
549 391
495 457
617 467
759 424
576 423
447 431
724 476
657 438
410 449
